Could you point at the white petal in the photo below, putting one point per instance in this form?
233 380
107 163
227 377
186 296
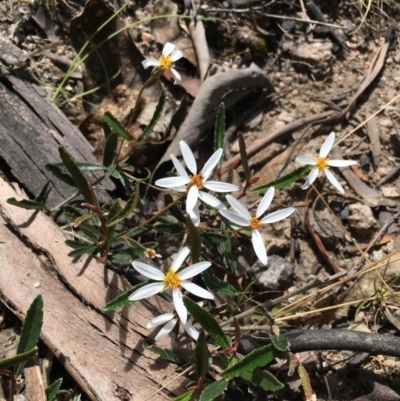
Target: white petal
195 216
180 258
196 290
168 49
265 202
172 182
191 331
176 55
148 271
179 305
150 62
211 200
332 179
177 76
166 330
159 320
192 197
306 160
239 208
146 291
218 186
179 168
208 168
193 270
188 156
341 163
311 178
327 145
278 215
259 247
235 218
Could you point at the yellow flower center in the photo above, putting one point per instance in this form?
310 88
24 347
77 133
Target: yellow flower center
322 163
254 223
196 180
165 63
171 279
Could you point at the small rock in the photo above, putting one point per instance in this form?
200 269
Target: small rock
286 117
361 218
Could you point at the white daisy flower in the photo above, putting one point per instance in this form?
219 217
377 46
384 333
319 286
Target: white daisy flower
172 280
165 62
323 162
195 182
242 217
170 320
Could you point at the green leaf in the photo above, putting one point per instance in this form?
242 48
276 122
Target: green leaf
243 157
31 328
291 363
115 125
202 355
219 131
18 359
209 324
264 379
214 390
27 204
82 250
114 211
280 342
217 285
226 249
75 244
129 206
122 300
166 353
110 149
214 238
57 171
255 359
53 389
283 181
156 116
79 179
185 397
305 382
195 241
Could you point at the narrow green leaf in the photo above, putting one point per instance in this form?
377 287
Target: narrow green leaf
122 300
57 171
226 249
202 355
264 379
114 210
209 324
215 238
115 125
291 363
53 389
82 251
129 206
91 232
166 353
195 241
283 181
243 157
305 381
31 328
185 397
79 179
214 390
110 149
27 204
219 131
255 359
280 342
18 359
217 285
156 116
75 244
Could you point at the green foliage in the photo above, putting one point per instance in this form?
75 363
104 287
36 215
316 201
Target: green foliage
280 342
255 359
115 125
284 181
122 300
217 285
264 379
209 324
212 391
195 241
27 204
53 389
243 157
219 131
305 382
185 397
202 355
20 359
166 354
31 328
